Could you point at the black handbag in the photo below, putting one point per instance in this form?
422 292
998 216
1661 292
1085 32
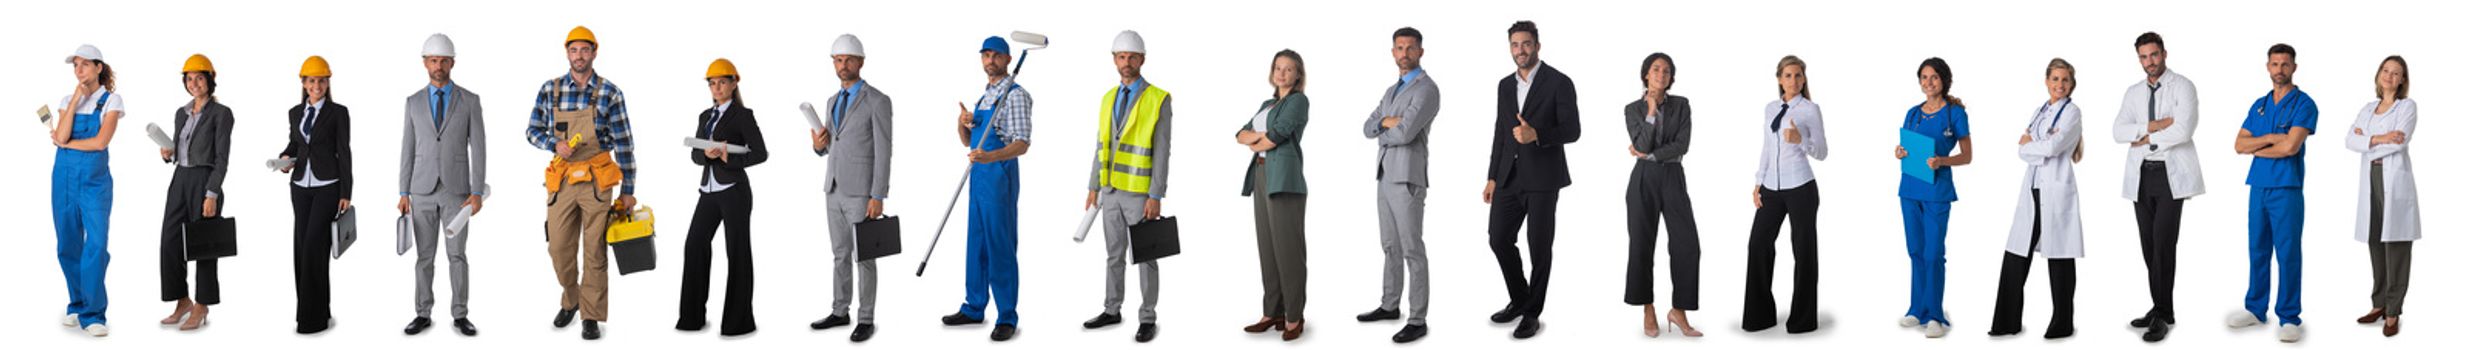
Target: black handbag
877 238
209 238
1155 239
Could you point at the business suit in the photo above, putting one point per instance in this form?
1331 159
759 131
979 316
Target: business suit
1278 195
1111 172
320 150
1403 181
727 197
1528 177
201 157
444 163
1657 190
860 172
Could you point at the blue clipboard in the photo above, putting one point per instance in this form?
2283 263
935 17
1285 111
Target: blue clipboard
1920 148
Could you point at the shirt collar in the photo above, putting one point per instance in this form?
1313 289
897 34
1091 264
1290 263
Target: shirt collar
853 88
1409 76
447 89
723 107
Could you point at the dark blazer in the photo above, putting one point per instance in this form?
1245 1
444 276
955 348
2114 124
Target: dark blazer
736 128
1666 139
1285 124
210 146
327 147
1551 108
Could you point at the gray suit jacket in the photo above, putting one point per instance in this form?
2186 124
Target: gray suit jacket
1404 153
210 145
863 138
451 159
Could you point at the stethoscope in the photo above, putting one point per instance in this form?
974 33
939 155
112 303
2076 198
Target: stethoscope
2051 121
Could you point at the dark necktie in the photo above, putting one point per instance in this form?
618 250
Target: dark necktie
1777 118
839 108
2154 109
308 122
436 109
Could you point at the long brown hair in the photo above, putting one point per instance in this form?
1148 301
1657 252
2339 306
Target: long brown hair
1787 62
1300 76
2403 81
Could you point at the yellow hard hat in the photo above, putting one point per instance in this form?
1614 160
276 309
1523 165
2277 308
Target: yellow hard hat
197 63
315 67
581 34
720 68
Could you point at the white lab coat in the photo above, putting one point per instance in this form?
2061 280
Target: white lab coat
2176 100
2049 157
2400 221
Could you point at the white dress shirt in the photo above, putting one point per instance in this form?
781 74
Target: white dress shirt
1783 165
309 116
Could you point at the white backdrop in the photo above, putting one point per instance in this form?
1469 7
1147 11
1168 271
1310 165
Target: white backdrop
1214 56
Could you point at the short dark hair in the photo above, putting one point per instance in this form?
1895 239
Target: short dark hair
1408 32
1665 58
2150 38
2290 51
1525 27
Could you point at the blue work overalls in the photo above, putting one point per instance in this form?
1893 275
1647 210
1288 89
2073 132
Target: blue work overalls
81 215
993 224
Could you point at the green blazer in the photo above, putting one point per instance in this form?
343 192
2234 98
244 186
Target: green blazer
1285 161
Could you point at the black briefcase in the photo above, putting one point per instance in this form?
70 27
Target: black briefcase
877 238
1155 239
209 238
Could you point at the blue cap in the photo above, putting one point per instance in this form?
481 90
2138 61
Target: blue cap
997 45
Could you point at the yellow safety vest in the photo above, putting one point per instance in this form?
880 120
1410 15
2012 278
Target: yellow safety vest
1127 162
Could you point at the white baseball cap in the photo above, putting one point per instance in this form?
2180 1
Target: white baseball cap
438 45
847 45
87 52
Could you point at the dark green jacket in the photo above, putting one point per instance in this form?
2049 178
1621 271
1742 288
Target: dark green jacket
1285 161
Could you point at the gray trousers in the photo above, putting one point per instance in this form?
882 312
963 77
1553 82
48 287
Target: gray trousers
2391 260
845 212
1118 210
1400 240
428 214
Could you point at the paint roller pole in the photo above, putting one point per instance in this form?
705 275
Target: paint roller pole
1035 41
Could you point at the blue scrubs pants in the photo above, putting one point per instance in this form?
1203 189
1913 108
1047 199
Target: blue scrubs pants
2276 225
1923 232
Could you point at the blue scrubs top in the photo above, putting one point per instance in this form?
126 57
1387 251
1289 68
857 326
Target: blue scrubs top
2269 117
1946 126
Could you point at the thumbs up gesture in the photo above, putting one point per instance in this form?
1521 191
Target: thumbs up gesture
1524 132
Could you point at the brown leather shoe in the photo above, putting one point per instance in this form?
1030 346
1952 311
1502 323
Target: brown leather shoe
2370 317
1293 331
1264 325
2389 327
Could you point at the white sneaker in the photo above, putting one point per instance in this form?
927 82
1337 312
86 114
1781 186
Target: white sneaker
98 330
2290 333
1937 329
2242 320
69 320
1910 321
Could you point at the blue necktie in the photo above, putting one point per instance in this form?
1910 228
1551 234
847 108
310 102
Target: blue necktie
839 108
436 111
309 122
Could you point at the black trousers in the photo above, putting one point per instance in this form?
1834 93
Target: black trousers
732 207
1537 213
182 204
1657 190
1799 205
2060 274
312 239
2160 216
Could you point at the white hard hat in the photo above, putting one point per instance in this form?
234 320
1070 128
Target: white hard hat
87 52
847 45
438 45
1129 41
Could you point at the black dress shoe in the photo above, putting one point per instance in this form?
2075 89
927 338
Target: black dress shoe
1375 315
956 319
1527 329
2141 322
1147 332
590 330
2059 331
2156 332
418 324
863 332
1798 329
1004 332
1102 320
726 331
829 322
464 326
690 324
1411 333
1505 315
564 317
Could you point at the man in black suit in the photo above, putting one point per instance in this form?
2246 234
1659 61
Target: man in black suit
1537 115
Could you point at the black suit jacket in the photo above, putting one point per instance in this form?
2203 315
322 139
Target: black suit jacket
737 128
327 148
1551 108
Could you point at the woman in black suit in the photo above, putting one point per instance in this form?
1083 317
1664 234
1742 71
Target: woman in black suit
321 150
727 197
